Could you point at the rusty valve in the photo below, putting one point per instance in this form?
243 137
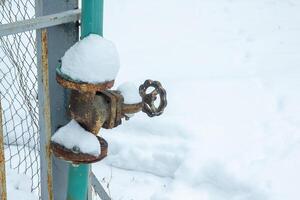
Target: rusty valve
149 98
95 106
106 108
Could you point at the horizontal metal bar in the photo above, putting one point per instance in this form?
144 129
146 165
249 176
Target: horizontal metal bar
40 22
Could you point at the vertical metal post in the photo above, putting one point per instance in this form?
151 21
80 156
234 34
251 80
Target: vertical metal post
59 39
2 162
91 22
46 111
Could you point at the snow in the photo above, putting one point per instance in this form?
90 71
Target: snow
231 72
92 59
18 186
231 130
20 132
72 136
130 93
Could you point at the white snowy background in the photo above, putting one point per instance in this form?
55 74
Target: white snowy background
231 130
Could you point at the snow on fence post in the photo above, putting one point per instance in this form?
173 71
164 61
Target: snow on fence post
59 39
2 162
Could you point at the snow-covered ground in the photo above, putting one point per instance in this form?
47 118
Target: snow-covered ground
19 104
231 130
18 184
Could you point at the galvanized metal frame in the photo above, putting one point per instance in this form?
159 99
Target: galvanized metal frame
98 187
40 22
3 194
62 34
55 34
46 110
71 15
59 39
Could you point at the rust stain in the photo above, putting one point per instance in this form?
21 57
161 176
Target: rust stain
79 158
49 173
132 108
82 86
47 115
88 109
2 162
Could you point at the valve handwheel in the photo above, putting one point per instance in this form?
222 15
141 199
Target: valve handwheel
149 98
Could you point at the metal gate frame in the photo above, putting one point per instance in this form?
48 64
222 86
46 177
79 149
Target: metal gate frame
51 46
2 161
57 29
59 32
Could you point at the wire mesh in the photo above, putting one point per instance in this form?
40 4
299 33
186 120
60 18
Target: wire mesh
18 87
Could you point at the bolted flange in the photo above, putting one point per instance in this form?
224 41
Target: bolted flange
69 83
76 157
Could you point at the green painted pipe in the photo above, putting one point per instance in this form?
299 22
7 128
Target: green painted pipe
91 22
78 182
92 17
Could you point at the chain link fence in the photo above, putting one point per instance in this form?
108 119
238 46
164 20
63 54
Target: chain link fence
18 87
